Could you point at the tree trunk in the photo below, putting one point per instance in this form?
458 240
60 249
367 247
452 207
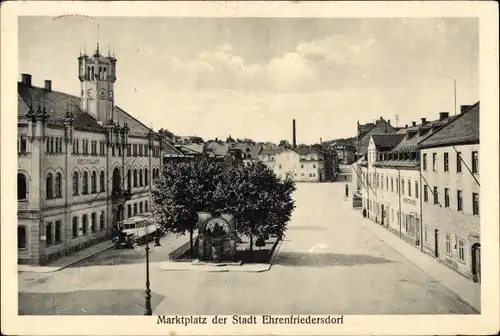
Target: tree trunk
191 242
251 243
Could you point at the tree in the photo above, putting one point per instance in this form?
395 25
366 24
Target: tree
285 144
182 190
260 202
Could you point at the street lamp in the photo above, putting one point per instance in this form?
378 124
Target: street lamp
137 247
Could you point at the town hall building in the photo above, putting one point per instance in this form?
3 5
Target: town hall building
83 163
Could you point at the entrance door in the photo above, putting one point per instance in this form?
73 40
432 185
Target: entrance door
417 231
382 214
436 243
476 263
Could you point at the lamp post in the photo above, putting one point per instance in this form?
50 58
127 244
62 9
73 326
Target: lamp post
147 296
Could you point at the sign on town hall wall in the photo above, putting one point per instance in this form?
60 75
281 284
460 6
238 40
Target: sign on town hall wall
87 161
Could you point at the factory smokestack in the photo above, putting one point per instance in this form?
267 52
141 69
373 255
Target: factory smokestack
294 144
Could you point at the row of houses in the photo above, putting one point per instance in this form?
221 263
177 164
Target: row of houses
301 163
422 182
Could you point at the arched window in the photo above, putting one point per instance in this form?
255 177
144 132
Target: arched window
22 187
85 183
117 180
58 185
140 178
135 178
129 179
75 184
93 182
49 185
102 181
146 177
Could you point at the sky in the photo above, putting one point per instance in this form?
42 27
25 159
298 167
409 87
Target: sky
249 77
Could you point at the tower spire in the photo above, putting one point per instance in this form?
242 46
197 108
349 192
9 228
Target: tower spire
97 49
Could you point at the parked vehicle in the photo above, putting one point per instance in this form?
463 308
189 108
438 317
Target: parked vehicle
137 229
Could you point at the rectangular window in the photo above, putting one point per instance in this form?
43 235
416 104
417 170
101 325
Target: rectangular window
314 166
84 224
459 162
402 186
129 210
459 200
47 149
397 184
475 204
93 222
448 245
424 162
446 162
392 184
77 146
135 149
140 207
382 182
426 229
409 188
101 220
58 232
434 159
146 206
21 237
426 194
75 227
446 197
23 144
135 209
475 162
48 233
436 197
416 190
461 250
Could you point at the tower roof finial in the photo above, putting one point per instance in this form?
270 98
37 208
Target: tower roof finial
97 49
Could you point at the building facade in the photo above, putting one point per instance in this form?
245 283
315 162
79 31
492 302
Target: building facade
451 193
83 163
425 188
302 164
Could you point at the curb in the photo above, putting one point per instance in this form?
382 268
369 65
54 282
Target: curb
459 296
276 249
71 263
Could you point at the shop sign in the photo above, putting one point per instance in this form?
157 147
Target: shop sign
87 161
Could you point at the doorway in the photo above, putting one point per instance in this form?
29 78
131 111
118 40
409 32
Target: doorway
476 262
436 243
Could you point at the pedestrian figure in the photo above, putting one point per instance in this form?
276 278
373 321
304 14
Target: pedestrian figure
347 191
364 212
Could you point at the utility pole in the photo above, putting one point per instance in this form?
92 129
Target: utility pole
455 94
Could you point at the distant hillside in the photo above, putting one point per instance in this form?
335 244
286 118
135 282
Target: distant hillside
351 140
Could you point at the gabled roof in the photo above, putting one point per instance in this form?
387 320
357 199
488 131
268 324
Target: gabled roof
306 150
216 148
386 141
380 126
57 104
271 151
246 149
419 133
462 129
171 150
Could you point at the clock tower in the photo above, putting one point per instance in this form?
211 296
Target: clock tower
97 75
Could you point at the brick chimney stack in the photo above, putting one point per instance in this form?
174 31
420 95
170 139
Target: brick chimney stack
26 79
294 144
443 115
48 85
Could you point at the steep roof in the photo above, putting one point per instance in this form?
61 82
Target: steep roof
271 151
381 126
171 150
462 129
253 150
218 149
57 104
418 133
387 141
305 150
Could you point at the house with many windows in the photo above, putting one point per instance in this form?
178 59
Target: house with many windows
451 193
84 164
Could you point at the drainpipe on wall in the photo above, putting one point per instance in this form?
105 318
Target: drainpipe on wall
399 195
421 212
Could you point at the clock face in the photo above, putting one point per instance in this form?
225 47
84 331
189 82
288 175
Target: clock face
102 93
90 93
